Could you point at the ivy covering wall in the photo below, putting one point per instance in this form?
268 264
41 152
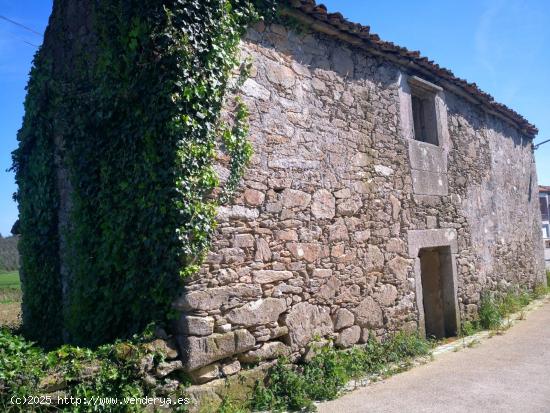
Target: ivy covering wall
115 160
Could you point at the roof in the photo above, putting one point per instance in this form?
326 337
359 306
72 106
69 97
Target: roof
543 188
335 24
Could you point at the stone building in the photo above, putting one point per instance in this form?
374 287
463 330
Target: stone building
544 198
384 194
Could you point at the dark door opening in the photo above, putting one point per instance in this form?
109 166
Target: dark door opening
438 292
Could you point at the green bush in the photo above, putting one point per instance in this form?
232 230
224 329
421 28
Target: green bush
296 387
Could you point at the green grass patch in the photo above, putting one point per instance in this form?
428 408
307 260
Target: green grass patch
10 287
10 280
296 387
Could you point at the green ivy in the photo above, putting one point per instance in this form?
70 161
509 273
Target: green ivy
112 371
140 118
37 197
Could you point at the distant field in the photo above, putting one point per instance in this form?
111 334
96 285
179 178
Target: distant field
10 299
10 280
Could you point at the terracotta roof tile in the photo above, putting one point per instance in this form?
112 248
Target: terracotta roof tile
371 40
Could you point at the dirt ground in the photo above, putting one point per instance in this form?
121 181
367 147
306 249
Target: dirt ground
10 299
10 314
10 307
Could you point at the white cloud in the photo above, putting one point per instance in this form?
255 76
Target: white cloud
485 51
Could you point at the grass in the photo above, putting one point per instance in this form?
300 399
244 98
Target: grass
495 308
10 298
296 387
10 280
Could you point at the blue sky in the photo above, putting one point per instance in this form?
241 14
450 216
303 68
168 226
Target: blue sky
502 45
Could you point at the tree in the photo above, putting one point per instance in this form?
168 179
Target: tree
15 228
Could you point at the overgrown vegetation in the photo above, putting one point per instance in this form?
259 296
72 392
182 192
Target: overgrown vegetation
137 112
494 307
291 387
111 371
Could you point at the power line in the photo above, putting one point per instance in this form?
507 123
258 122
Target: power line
23 40
20 25
541 143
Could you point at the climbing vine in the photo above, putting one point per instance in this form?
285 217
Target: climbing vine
138 118
38 199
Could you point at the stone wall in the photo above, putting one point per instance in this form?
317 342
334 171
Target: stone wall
315 243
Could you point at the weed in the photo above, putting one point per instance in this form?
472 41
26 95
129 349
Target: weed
470 327
289 387
509 303
525 298
494 309
490 315
473 343
540 291
231 406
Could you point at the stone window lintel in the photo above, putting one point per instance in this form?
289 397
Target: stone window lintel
423 86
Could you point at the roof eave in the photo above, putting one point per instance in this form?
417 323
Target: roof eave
334 24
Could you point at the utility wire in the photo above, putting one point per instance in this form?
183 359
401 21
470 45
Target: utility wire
538 145
21 25
24 41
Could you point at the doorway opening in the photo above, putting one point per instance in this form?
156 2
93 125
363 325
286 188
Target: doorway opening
438 292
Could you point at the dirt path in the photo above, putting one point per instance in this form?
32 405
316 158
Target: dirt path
507 373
